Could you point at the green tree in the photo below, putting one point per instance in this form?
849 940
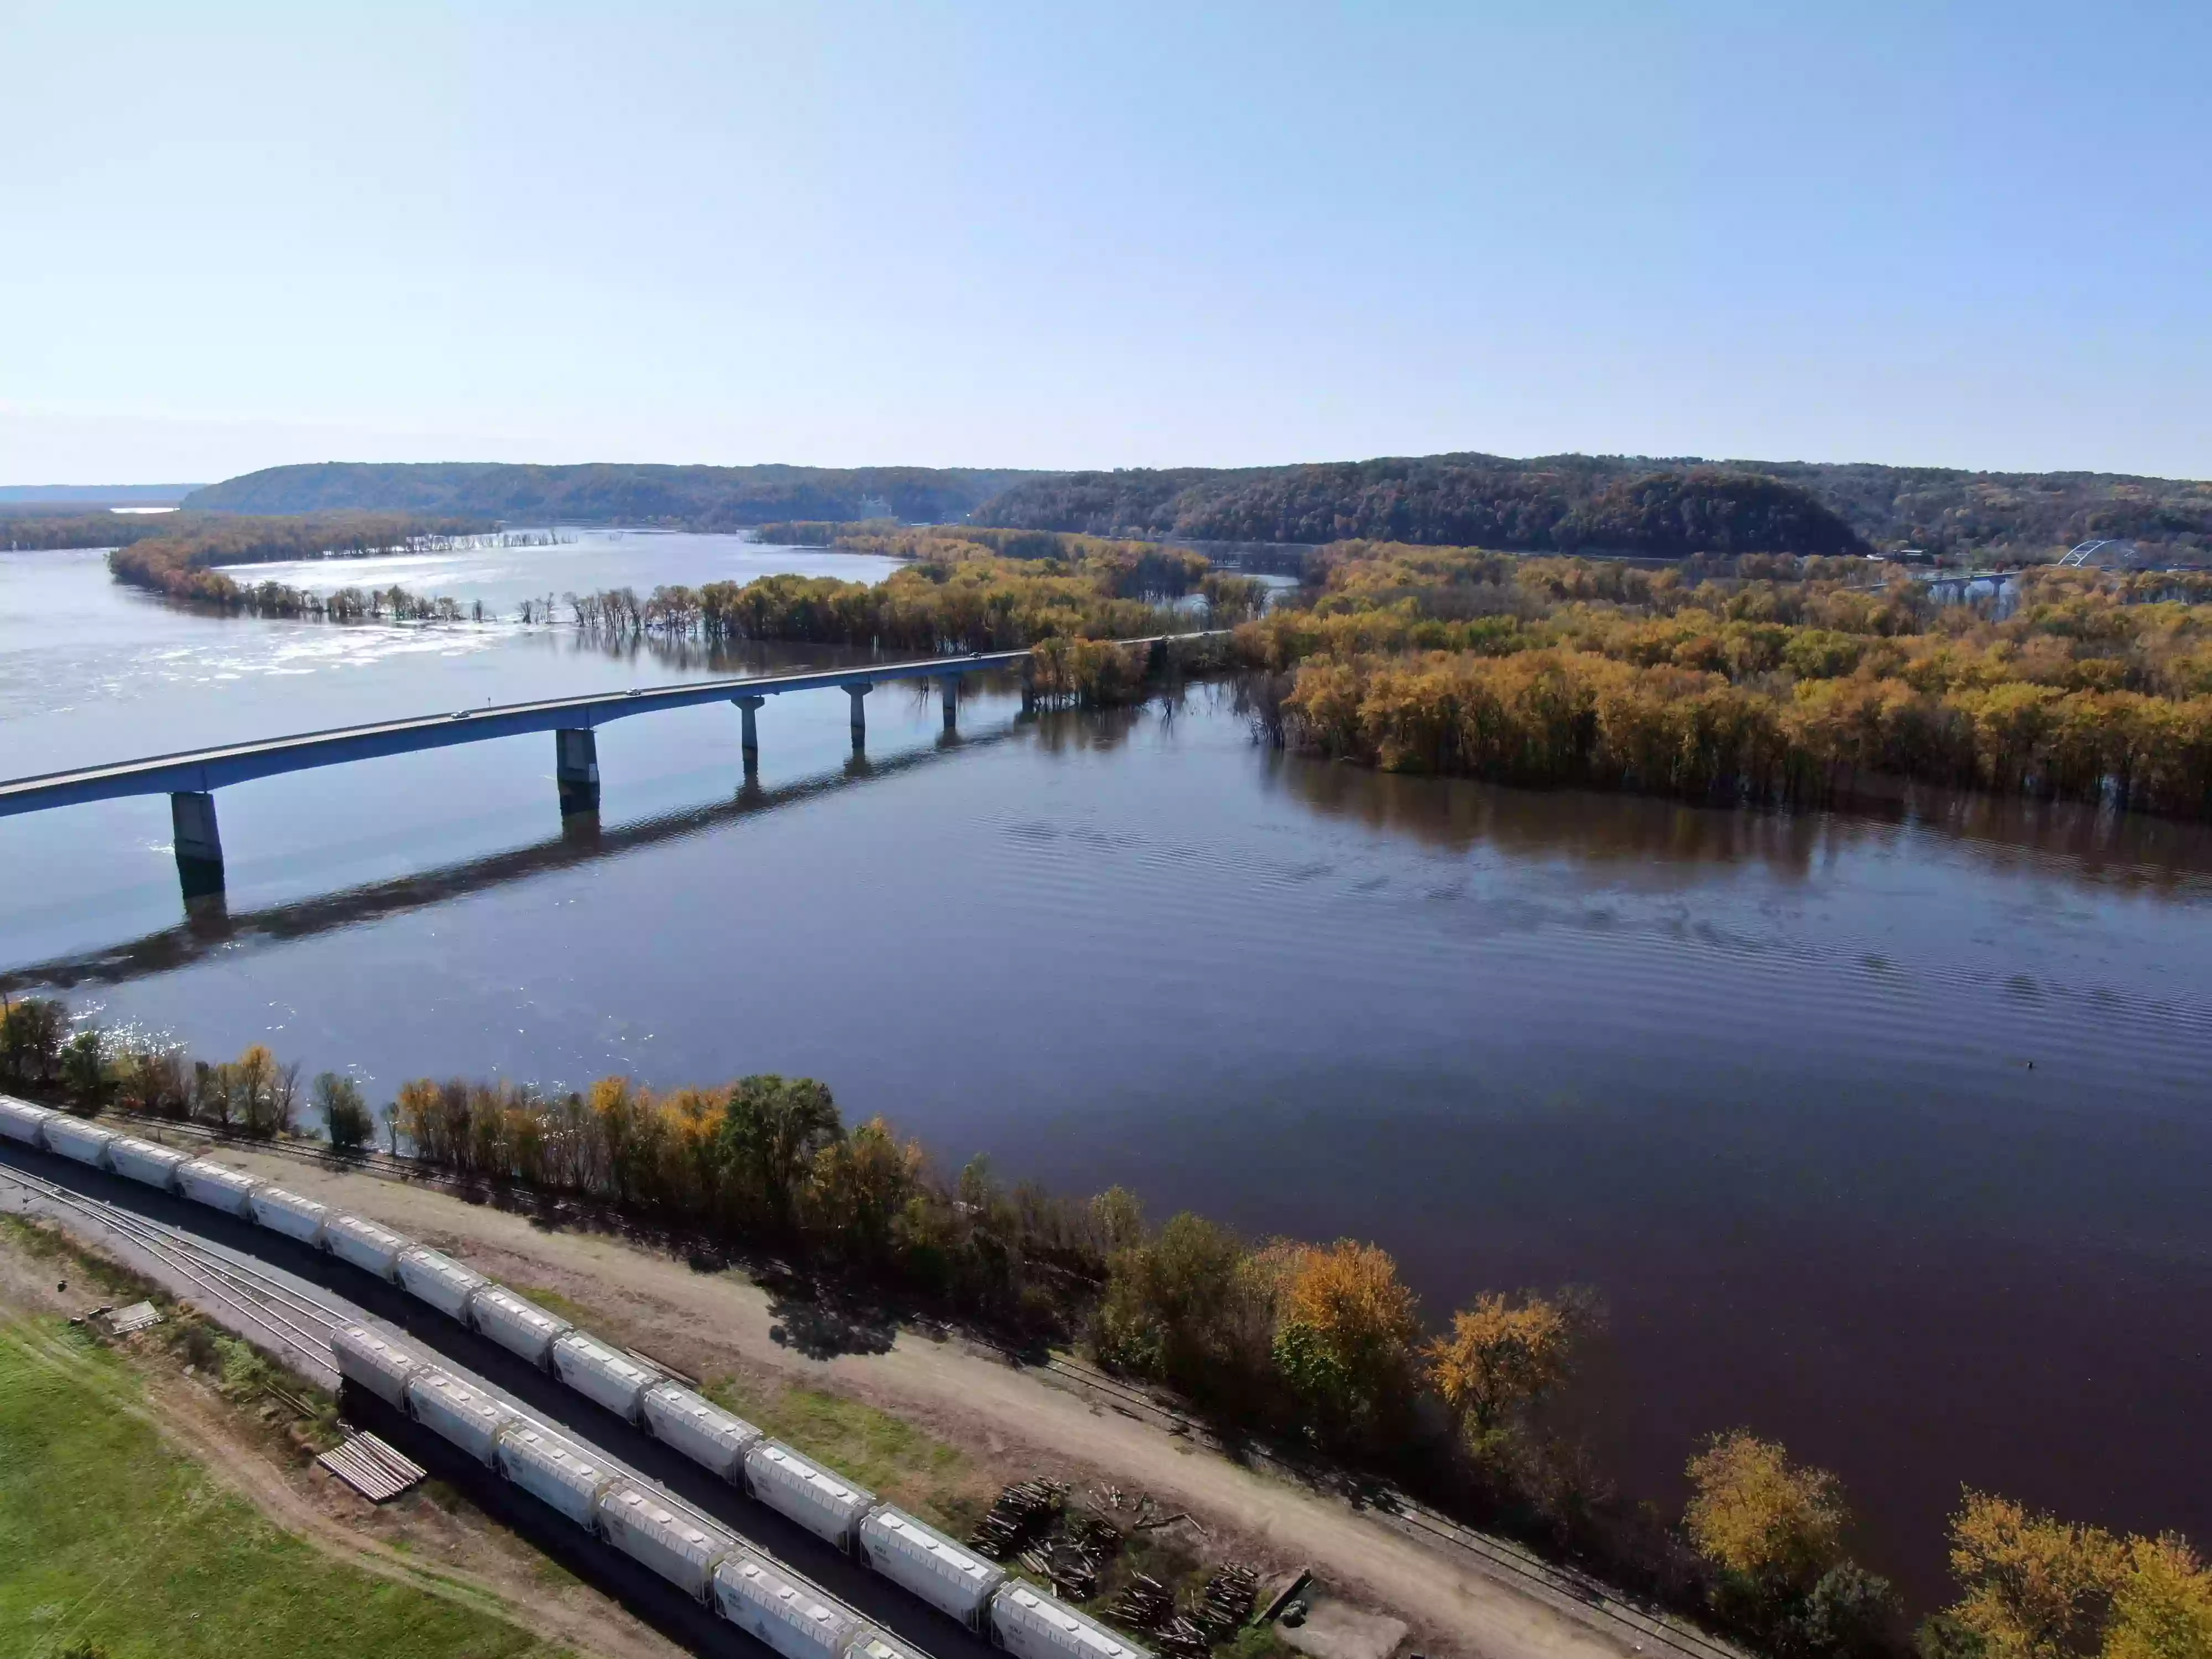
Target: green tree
84 1071
1850 1614
345 1114
861 1184
773 1129
1119 1218
31 1033
1183 1307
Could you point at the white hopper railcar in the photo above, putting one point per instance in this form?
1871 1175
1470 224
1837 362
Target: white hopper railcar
874 1644
20 1121
290 1214
553 1471
924 1562
1030 1624
377 1363
826 1504
73 1138
371 1247
143 1160
439 1280
598 1372
680 1549
517 1323
710 1436
788 1614
217 1186
449 1408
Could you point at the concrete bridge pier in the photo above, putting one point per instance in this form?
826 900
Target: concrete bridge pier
750 738
950 686
857 693
198 844
576 769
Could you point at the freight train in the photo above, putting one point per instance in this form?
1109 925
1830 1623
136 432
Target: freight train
718 1568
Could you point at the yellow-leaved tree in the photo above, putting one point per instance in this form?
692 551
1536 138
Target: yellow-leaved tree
2039 1587
2163 1607
1500 1355
1755 1514
2036 1587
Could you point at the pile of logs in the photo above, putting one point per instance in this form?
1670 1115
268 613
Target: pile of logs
1020 1514
1146 1604
1073 1561
1032 1526
1226 1606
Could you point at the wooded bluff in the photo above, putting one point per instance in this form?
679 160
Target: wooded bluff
1663 507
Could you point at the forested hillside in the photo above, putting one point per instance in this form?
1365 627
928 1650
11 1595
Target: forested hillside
1664 508
693 497
1659 507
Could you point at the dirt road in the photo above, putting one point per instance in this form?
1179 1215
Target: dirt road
459 1555
720 1324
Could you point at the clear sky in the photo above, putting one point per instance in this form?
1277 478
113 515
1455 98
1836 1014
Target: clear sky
1060 235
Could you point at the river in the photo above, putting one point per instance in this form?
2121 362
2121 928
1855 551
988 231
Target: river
1886 1134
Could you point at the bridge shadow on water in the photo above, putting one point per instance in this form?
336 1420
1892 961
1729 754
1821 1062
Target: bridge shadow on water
210 925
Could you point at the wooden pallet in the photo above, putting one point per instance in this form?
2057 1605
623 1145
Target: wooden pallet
372 1468
136 1317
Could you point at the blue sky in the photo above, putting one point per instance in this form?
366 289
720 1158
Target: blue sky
1065 236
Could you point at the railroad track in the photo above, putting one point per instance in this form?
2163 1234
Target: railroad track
301 1327
1521 1566
1394 1508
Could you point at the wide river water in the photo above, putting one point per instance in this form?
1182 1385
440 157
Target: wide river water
1886 1135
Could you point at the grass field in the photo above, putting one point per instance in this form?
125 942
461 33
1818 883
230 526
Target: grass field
108 1537
887 1454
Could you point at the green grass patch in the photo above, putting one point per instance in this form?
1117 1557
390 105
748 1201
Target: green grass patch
107 1537
1257 1641
567 1307
885 1453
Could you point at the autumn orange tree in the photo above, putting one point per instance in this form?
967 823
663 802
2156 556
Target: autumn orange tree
1345 1327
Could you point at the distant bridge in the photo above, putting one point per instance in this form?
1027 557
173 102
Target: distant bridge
190 779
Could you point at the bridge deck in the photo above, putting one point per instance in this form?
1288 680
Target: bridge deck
201 769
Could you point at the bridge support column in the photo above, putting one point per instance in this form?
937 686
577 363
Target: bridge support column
749 739
576 769
857 694
198 842
949 687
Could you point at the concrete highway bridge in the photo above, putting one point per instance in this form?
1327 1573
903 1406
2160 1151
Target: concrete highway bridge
191 778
